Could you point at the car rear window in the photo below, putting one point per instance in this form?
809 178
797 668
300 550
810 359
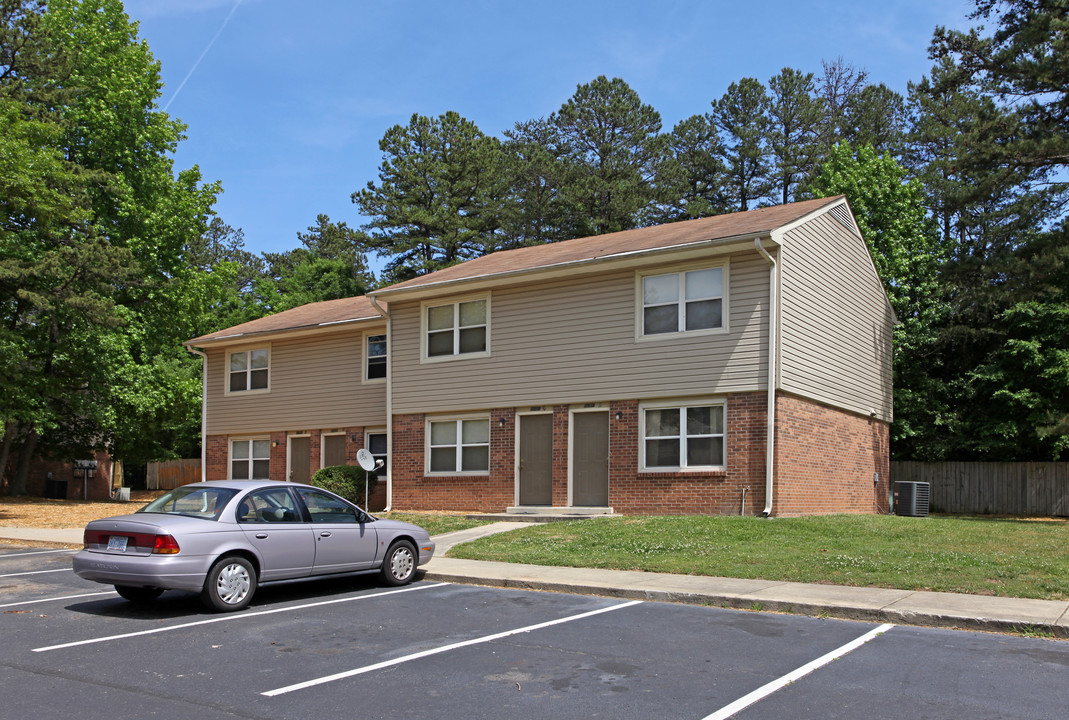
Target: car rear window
194 502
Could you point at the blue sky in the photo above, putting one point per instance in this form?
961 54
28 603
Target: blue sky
286 101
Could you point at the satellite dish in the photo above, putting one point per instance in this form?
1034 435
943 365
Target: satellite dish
365 459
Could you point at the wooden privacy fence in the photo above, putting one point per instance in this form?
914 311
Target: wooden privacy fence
169 474
1024 488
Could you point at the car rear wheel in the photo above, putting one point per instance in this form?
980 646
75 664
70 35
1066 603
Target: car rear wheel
138 595
230 584
399 565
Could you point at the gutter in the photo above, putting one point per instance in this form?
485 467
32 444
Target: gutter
203 412
770 413
389 400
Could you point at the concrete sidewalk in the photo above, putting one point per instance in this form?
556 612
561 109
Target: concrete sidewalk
903 607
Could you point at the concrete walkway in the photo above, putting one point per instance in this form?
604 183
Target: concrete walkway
903 607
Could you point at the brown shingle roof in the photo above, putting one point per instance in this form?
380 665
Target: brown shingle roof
675 234
312 315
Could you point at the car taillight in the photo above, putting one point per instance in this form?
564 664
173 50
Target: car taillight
165 545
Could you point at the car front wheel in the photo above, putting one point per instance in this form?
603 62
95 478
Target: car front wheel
399 565
230 584
138 595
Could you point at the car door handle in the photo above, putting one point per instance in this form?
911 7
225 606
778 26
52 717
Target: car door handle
324 534
261 536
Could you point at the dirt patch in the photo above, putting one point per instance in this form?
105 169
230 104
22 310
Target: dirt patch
37 512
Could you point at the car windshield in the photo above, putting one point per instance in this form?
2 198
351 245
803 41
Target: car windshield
193 501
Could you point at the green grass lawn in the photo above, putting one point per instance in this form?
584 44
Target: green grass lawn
435 523
980 555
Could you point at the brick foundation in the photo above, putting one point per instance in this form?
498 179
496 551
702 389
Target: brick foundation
826 460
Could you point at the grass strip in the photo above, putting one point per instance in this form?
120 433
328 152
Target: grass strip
963 554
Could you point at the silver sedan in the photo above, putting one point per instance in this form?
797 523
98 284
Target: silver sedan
224 538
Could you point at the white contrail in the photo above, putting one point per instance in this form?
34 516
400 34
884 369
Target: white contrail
205 52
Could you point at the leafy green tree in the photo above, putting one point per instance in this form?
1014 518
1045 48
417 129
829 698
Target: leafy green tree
890 212
741 115
94 223
438 200
1017 392
795 116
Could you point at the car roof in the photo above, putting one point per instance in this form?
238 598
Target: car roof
244 484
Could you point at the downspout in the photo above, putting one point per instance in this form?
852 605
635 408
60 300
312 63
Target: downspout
770 413
389 401
203 413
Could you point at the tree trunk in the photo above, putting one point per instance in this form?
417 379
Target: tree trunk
22 472
5 450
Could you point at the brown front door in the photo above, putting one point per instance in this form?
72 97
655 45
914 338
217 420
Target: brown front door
300 459
536 460
333 450
590 459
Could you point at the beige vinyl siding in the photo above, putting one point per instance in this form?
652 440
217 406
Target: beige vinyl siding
574 341
315 383
836 323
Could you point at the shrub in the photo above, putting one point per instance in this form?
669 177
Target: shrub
346 481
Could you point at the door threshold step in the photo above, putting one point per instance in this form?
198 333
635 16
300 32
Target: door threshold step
544 514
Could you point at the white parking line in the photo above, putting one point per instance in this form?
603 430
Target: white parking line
54 599
237 616
37 552
37 572
445 648
765 690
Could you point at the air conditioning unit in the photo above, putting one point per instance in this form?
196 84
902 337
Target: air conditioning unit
911 498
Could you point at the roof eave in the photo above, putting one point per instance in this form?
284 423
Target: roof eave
574 267
280 333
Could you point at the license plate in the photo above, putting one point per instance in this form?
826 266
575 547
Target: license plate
117 543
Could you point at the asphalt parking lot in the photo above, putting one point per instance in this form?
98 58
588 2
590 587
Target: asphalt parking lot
350 648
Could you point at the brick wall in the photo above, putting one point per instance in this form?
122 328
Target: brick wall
629 491
38 482
680 493
413 490
826 460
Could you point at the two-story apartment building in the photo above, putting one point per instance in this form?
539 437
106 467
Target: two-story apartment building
733 364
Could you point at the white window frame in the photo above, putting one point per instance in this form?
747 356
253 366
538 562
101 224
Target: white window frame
364 352
248 349
682 406
459 446
424 348
368 432
681 303
251 440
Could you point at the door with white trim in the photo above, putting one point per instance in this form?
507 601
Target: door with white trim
590 459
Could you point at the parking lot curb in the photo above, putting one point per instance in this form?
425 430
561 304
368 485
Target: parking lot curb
878 605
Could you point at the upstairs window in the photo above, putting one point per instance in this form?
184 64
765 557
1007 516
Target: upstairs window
456 329
375 349
248 370
679 302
